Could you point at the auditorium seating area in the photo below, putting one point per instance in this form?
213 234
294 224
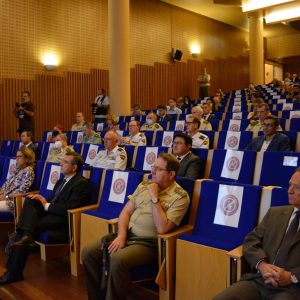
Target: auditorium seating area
227 169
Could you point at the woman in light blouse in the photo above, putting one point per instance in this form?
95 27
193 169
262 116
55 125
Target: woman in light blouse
20 181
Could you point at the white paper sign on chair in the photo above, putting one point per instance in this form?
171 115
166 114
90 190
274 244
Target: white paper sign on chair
179 125
229 205
295 114
232 140
53 177
150 157
237 115
118 187
232 164
79 137
167 138
100 126
92 152
234 125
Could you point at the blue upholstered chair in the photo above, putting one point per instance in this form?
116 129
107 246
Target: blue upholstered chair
244 124
7 147
222 222
275 168
217 161
225 142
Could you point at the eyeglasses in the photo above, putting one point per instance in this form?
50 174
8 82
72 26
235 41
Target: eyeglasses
268 125
178 143
20 156
158 169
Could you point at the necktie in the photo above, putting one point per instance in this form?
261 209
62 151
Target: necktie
283 252
58 191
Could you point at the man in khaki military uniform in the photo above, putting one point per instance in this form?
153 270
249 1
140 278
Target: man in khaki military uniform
156 206
135 138
90 136
79 122
255 126
200 140
113 157
151 123
197 111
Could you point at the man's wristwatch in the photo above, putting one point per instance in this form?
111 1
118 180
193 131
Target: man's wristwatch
155 200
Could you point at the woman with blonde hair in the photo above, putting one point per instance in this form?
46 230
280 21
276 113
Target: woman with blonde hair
20 181
59 149
112 122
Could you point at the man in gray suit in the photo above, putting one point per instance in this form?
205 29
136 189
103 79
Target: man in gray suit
272 140
190 164
272 249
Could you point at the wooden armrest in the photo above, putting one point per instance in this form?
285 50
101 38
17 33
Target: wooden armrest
176 232
82 209
236 253
112 221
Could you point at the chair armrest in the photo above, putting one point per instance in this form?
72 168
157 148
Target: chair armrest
112 221
236 253
82 209
176 232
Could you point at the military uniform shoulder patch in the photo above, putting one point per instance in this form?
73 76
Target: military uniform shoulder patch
180 191
205 121
156 125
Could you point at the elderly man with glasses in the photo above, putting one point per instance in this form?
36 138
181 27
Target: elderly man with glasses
200 140
157 206
272 140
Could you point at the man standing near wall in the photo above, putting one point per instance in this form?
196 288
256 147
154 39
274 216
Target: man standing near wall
24 111
204 81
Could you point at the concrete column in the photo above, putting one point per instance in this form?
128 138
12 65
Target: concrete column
256 43
119 56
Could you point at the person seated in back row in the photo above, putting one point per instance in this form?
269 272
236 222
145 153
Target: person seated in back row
157 206
197 112
151 123
59 149
272 140
163 117
89 135
26 140
113 157
200 140
135 138
190 164
79 122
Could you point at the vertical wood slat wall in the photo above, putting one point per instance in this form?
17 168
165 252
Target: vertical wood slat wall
58 98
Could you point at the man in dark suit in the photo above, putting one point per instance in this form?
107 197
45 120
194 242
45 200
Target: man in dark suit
207 112
272 140
26 140
39 215
272 250
190 164
162 114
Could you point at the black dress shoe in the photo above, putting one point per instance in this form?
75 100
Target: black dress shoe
24 242
8 277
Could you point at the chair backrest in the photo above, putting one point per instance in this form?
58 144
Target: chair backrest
39 169
295 124
50 177
77 137
46 136
121 184
236 115
227 212
215 124
165 138
150 135
130 154
46 149
275 168
202 153
77 147
95 180
9 167
235 140
233 166
272 196
211 135
235 125
175 125
7 147
89 151
145 156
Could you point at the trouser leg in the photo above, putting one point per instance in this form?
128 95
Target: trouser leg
92 263
31 212
120 264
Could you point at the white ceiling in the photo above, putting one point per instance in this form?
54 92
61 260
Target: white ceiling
229 14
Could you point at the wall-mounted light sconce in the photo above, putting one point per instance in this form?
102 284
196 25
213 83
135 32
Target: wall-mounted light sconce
195 50
50 61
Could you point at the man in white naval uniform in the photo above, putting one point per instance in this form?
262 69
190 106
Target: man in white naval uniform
200 140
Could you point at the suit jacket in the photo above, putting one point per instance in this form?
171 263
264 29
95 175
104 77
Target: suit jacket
165 119
265 240
190 166
74 194
280 142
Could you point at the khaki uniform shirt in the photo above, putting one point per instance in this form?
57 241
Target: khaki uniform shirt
200 140
174 201
154 126
94 138
57 155
77 126
205 125
115 159
138 139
